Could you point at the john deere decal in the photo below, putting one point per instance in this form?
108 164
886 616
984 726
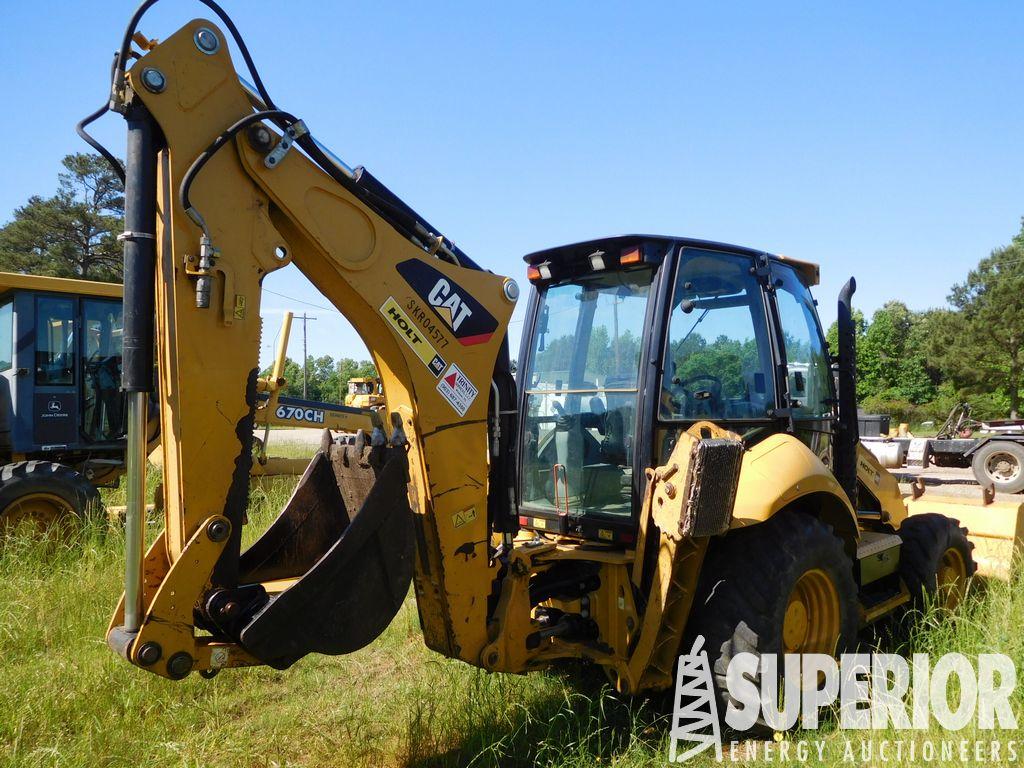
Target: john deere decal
469 322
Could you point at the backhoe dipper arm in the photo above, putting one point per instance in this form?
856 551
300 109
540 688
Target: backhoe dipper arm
326 577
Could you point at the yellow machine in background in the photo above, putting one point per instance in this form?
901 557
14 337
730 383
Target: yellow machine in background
276 410
364 393
674 459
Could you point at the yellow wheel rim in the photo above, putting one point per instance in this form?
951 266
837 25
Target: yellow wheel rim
41 510
951 578
813 620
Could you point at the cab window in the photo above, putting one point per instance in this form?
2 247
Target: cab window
810 375
718 362
55 341
102 339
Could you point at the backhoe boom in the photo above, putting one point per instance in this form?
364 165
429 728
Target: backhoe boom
435 325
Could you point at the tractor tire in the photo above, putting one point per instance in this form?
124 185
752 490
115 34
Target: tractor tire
783 586
45 493
1000 463
936 556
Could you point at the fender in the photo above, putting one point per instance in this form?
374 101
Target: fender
779 472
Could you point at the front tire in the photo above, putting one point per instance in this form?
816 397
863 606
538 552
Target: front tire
43 493
783 586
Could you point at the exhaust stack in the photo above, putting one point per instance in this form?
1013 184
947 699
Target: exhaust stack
846 445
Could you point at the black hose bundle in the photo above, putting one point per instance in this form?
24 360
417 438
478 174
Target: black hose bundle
363 184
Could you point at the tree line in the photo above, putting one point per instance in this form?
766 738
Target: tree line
917 365
326 379
914 365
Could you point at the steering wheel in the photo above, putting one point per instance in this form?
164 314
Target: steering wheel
710 402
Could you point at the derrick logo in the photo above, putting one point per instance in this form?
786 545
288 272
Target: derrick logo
470 322
881 692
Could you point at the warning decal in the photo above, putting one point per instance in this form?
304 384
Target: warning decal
464 517
457 389
410 332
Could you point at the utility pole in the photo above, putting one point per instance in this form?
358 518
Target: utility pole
305 357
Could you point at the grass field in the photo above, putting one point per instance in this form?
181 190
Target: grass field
66 700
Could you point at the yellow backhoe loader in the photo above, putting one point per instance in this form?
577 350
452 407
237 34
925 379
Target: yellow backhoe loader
673 460
364 393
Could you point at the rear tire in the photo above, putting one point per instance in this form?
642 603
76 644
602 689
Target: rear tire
1000 463
936 557
44 493
783 586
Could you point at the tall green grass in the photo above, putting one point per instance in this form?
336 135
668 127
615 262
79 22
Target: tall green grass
66 700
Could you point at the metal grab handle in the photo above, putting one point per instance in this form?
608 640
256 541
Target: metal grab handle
555 471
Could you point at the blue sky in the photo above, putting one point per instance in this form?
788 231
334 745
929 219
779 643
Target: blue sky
879 139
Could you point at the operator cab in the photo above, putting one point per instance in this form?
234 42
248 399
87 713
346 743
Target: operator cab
60 368
631 340
361 387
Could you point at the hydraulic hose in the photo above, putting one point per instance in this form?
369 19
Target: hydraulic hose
120 67
204 157
364 185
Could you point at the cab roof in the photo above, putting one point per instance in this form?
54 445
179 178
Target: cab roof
565 254
10 281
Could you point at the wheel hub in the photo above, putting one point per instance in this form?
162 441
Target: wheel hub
39 509
812 621
1003 467
951 578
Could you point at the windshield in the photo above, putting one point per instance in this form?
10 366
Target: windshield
581 394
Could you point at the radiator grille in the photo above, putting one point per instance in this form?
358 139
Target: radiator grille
714 475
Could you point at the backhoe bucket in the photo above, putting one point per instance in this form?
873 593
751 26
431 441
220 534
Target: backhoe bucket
353 569
995 527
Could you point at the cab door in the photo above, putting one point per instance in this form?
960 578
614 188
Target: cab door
55 410
718 361
808 382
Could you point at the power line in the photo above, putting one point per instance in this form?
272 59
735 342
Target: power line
301 301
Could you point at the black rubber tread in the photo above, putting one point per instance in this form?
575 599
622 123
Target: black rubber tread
746 581
25 477
925 539
998 446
